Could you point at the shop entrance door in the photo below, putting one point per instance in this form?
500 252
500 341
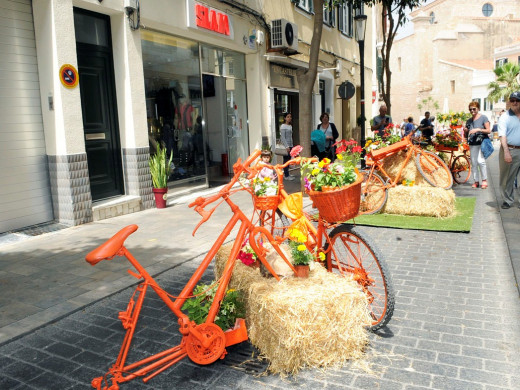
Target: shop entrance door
98 104
285 101
226 126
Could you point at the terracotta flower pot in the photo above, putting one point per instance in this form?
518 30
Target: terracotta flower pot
302 271
160 197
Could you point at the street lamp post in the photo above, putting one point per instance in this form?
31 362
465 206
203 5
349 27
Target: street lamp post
361 24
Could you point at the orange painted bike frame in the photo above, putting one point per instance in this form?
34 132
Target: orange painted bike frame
151 366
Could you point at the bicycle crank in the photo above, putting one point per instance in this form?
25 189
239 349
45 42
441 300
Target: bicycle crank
210 347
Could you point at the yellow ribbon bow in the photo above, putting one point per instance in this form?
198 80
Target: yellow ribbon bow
292 207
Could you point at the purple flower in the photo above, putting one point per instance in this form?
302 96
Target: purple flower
307 184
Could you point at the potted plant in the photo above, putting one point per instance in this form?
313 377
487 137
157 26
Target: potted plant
232 306
160 169
301 258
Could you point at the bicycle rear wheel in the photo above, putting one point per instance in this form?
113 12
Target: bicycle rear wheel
461 169
352 253
373 193
434 169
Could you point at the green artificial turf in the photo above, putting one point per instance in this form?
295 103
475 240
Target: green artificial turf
460 222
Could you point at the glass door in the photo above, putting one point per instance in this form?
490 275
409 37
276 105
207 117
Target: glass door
237 134
225 102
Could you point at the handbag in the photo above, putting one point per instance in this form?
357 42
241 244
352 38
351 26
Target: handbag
486 147
280 149
476 138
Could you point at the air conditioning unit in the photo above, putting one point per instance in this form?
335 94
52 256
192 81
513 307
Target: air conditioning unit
284 35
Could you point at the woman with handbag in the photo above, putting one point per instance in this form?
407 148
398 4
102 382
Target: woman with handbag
331 135
287 141
477 128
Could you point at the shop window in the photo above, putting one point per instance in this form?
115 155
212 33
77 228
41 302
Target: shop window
174 102
452 84
487 9
432 18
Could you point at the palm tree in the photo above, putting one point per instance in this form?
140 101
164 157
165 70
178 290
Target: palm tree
506 82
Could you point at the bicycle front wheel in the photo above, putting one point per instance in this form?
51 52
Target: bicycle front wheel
461 169
434 169
352 253
373 193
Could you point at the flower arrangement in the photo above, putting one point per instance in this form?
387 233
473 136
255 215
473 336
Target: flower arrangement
453 118
449 138
264 186
231 308
299 252
247 255
339 173
378 142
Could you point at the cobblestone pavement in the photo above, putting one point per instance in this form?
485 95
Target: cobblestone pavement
455 325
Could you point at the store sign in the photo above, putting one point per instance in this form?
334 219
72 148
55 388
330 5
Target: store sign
283 77
201 16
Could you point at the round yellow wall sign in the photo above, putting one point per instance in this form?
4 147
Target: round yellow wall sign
69 76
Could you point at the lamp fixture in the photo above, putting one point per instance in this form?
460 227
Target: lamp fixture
361 25
133 13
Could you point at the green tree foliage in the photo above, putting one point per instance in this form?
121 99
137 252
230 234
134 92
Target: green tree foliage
506 82
428 104
392 16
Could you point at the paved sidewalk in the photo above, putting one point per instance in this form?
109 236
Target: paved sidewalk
455 325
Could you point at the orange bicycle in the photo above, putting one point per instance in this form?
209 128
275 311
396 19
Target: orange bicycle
374 190
460 165
347 252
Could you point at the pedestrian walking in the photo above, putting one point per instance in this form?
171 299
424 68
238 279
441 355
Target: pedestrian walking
477 128
331 135
287 141
509 155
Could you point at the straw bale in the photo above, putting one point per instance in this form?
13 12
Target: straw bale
393 163
420 200
316 322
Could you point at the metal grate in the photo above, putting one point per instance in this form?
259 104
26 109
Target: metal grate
276 33
245 357
36 230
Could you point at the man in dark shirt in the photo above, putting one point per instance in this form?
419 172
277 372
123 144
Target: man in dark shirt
426 127
381 121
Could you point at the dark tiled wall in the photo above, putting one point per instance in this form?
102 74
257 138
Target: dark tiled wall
70 188
137 175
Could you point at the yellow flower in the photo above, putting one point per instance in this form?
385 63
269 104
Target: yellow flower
321 163
230 290
326 160
301 247
368 142
315 171
321 255
339 156
267 179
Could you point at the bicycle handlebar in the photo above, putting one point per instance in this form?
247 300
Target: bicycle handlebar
202 202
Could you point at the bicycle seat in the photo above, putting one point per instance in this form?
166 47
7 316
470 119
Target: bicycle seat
110 248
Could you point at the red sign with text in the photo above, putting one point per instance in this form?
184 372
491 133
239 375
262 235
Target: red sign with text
211 19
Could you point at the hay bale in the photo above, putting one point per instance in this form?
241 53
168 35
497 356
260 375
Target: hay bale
295 323
392 165
420 200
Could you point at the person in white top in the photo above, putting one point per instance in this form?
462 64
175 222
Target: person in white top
287 141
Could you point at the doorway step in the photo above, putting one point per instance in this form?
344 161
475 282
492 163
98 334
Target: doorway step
114 207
